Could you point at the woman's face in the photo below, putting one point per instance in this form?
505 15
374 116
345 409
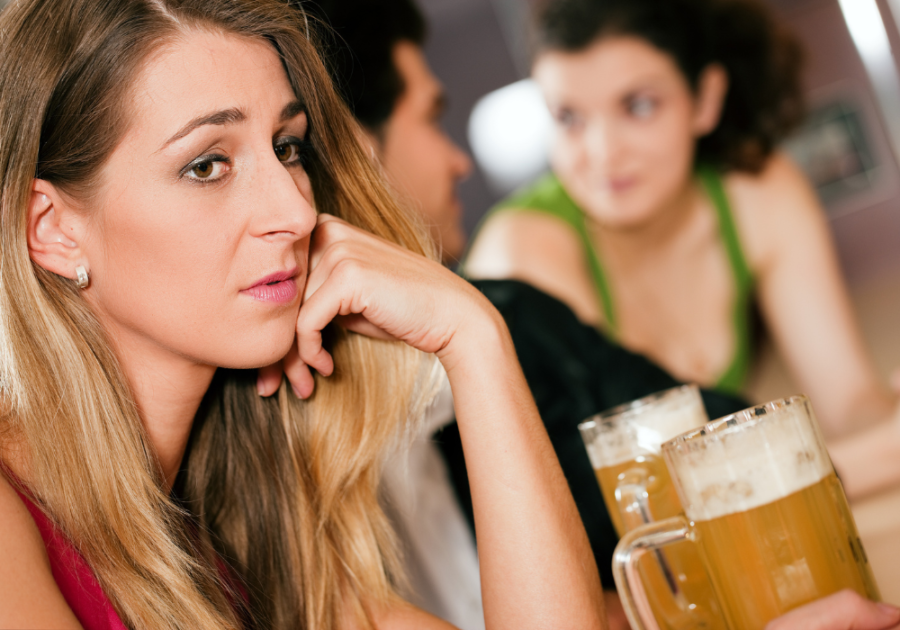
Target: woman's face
627 122
197 243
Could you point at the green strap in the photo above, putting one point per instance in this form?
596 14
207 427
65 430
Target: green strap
733 378
547 195
600 281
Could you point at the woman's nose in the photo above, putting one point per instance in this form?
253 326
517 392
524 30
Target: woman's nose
284 201
602 141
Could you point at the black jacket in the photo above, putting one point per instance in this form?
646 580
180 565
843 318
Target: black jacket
574 372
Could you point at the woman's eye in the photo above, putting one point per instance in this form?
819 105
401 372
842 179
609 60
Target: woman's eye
566 118
287 152
291 150
641 107
208 169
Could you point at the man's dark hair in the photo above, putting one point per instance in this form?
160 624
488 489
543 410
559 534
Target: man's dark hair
358 39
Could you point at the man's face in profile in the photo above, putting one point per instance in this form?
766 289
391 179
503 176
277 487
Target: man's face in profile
418 156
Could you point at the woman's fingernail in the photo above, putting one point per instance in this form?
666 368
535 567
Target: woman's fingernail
297 392
260 389
888 608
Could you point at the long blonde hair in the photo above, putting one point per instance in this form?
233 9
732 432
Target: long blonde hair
282 490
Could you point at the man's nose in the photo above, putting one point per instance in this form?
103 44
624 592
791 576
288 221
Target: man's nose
462 163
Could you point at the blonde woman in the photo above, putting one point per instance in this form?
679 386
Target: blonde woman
163 163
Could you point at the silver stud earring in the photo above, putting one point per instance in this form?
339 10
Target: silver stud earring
83 279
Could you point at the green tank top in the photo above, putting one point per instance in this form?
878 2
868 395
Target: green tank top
547 195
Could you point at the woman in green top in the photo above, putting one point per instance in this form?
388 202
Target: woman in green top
669 209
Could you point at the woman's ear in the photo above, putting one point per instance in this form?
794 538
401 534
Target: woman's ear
712 88
55 231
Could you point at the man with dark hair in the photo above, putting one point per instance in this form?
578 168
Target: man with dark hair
374 51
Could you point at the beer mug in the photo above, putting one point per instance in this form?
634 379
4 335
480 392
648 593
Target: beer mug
624 444
766 511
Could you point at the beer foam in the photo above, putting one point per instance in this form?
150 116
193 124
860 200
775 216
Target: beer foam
643 429
744 461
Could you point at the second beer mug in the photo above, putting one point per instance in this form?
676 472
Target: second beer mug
624 447
766 511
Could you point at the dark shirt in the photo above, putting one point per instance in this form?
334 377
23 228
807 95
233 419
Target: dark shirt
574 372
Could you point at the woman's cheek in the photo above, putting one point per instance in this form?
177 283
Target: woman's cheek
566 155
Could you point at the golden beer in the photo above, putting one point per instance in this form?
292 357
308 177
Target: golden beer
766 512
661 495
691 603
624 447
776 557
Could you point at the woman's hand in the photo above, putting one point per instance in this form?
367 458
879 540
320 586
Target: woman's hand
537 569
377 289
846 610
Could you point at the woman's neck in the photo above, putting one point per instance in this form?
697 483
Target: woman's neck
630 245
168 391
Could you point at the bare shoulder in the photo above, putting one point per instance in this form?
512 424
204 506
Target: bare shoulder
539 249
407 617
516 241
29 597
774 208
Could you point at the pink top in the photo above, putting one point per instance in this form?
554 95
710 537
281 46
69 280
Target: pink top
74 577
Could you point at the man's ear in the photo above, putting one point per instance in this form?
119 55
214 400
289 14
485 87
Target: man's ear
712 88
55 231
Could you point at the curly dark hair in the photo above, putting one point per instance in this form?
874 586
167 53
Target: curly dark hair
358 39
763 60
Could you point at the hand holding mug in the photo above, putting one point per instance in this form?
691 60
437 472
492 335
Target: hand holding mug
846 610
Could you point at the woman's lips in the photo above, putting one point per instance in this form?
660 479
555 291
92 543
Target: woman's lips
621 184
280 288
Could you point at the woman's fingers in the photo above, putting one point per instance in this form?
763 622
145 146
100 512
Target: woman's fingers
268 379
359 324
298 373
379 289
332 297
846 610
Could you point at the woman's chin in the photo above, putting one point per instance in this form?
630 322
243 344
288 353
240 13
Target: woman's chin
262 354
621 217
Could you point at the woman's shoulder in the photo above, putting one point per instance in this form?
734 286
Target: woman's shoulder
403 616
774 208
779 176
540 249
513 239
533 224
21 533
29 596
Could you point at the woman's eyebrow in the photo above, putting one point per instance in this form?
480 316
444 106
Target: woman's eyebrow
223 117
291 110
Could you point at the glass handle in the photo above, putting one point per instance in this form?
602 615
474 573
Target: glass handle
633 499
631 548
634 506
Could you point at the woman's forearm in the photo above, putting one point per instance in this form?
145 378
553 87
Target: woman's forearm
537 567
869 460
